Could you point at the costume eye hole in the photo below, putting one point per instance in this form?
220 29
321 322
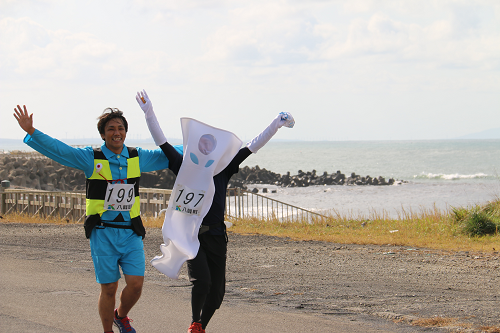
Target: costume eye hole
209 163
207 144
194 158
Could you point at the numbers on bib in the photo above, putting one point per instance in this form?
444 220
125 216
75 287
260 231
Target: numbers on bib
189 197
119 197
187 200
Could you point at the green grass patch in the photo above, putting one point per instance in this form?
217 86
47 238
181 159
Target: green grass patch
479 220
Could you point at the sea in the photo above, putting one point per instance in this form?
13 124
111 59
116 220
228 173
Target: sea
431 174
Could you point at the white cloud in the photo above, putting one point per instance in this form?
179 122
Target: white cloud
213 57
175 5
399 40
264 34
32 50
21 34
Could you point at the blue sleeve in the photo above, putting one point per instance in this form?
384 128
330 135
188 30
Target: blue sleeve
78 158
151 160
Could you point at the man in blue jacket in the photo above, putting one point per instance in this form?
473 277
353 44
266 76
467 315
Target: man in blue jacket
113 223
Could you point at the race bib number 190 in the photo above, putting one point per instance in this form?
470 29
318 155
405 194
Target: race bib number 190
187 200
119 197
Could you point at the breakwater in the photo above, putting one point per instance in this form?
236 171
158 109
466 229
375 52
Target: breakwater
46 174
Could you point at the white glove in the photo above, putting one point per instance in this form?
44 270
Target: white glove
153 125
283 119
288 120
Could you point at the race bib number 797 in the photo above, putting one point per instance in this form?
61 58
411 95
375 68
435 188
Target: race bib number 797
187 200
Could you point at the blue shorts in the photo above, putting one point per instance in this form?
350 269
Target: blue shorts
112 248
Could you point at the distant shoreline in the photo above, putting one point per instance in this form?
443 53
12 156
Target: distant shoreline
149 141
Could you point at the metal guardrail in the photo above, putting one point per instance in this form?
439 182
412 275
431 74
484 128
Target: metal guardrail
65 205
246 204
71 205
154 200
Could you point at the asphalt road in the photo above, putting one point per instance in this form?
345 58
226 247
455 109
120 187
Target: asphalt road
45 296
47 284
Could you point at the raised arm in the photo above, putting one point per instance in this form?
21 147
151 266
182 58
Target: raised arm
282 119
24 120
79 158
153 125
172 153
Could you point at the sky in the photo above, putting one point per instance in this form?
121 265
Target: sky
345 70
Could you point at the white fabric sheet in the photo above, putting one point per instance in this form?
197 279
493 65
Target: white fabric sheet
207 151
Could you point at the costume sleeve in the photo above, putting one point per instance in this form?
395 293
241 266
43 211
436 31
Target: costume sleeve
174 156
242 155
154 127
282 119
78 158
234 165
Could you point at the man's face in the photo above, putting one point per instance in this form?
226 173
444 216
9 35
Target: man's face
114 135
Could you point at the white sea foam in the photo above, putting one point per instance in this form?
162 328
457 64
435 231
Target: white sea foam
452 176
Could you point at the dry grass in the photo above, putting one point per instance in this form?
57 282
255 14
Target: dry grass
148 221
25 218
431 229
434 322
427 228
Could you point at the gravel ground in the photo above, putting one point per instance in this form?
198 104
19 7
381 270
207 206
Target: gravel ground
457 290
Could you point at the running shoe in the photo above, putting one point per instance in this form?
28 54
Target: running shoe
195 328
123 324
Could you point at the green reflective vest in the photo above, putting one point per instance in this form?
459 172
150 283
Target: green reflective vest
96 188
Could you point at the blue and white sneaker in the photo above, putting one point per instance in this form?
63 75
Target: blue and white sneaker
123 324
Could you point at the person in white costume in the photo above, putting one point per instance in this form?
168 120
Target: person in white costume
207 151
207 270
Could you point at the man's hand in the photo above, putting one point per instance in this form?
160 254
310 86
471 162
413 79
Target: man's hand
24 120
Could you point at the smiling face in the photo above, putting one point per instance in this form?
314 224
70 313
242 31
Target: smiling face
114 135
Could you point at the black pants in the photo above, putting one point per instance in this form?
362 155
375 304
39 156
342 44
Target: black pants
207 273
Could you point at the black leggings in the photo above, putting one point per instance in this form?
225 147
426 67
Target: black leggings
207 272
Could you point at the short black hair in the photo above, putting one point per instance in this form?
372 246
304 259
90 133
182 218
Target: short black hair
107 115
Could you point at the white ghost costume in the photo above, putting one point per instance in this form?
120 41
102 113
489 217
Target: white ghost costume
207 151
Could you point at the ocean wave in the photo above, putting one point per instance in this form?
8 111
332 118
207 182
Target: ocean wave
452 176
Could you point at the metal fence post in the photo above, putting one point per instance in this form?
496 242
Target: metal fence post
2 198
239 205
